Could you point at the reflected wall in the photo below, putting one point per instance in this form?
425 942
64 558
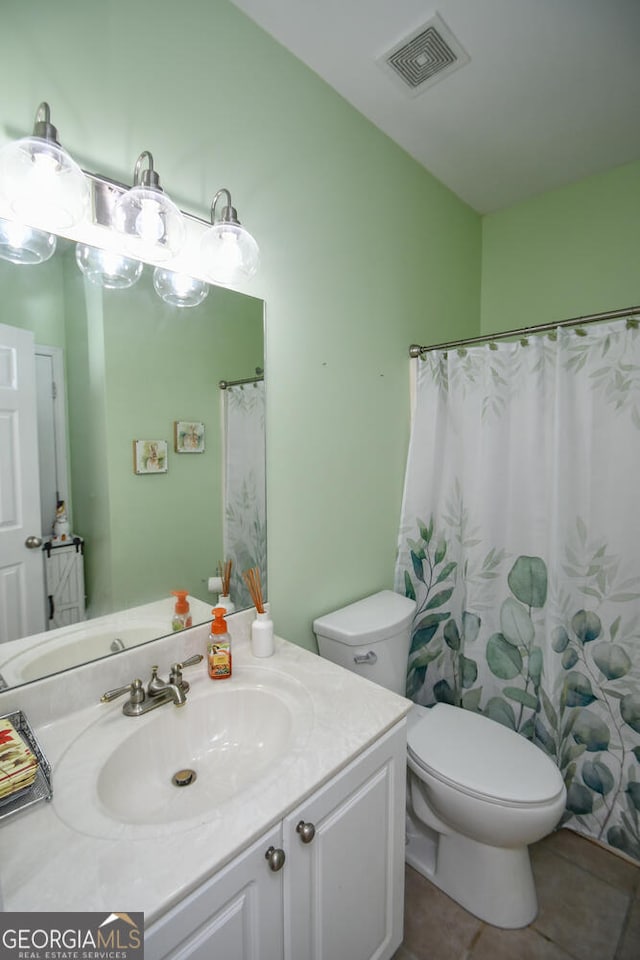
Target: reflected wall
133 366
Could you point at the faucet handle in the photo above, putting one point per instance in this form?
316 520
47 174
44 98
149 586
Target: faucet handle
176 671
135 689
189 662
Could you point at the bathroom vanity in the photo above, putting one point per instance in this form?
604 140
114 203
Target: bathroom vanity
288 846
322 883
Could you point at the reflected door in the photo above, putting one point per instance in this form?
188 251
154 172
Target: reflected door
22 606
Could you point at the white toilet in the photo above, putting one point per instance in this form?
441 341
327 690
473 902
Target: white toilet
478 793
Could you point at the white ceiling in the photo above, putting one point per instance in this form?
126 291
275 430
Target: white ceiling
551 93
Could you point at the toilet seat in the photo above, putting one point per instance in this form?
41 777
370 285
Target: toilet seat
480 757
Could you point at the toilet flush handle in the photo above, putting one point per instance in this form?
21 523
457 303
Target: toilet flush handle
369 657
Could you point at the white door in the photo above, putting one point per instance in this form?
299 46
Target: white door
237 915
22 606
344 876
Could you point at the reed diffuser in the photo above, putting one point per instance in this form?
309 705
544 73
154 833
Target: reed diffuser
224 572
262 644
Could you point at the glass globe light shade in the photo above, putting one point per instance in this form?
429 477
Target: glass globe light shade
178 289
106 268
151 224
230 253
42 184
21 244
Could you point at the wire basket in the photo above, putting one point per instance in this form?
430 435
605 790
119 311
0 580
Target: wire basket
40 789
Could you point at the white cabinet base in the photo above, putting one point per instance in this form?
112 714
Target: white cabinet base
344 889
236 915
339 894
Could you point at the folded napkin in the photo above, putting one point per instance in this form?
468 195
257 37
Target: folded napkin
18 764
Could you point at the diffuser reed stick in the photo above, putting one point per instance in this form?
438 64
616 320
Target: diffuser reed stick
224 571
252 579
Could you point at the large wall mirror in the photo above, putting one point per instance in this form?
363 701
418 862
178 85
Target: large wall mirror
129 367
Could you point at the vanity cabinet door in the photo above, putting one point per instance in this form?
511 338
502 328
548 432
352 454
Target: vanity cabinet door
344 877
236 915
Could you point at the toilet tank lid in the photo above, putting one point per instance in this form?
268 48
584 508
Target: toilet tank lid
368 620
482 755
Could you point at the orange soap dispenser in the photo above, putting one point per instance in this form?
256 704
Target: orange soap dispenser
181 616
219 647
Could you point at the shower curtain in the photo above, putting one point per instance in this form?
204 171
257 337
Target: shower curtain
245 533
520 542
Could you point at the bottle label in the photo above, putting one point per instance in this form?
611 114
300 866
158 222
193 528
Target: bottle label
219 659
180 622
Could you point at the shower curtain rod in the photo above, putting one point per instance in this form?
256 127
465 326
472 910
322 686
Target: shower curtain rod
415 350
223 384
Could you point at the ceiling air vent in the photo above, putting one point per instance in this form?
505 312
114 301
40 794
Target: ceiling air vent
427 56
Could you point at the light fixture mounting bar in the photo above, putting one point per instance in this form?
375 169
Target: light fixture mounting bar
104 194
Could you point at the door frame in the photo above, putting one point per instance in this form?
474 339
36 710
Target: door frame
59 403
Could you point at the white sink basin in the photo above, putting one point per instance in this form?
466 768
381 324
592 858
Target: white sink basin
76 645
30 658
228 741
116 778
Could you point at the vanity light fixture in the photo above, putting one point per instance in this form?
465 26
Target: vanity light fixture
149 221
107 268
230 253
42 184
43 189
178 289
22 244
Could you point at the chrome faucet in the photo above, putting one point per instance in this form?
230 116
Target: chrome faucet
157 693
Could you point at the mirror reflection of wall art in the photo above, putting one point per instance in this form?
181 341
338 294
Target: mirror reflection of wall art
150 456
188 436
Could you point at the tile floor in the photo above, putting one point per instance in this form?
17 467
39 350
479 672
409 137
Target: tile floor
589 909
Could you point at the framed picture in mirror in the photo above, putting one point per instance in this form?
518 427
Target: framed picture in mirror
149 456
188 436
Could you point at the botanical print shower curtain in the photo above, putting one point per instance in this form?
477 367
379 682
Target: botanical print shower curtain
245 535
520 541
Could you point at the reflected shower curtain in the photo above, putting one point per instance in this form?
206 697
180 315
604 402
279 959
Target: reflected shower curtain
520 541
245 534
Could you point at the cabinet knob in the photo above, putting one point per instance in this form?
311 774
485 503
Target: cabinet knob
307 831
275 858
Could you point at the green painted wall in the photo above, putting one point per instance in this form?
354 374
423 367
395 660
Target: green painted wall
164 364
363 252
34 306
566 253
87 434
135 366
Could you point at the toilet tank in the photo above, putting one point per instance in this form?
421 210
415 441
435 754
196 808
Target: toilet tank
370 637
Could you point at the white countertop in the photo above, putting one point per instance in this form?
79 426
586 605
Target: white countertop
50 866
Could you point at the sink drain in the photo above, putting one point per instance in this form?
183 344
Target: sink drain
184 778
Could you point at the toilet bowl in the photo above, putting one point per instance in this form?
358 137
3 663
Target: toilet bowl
477 793
483 793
